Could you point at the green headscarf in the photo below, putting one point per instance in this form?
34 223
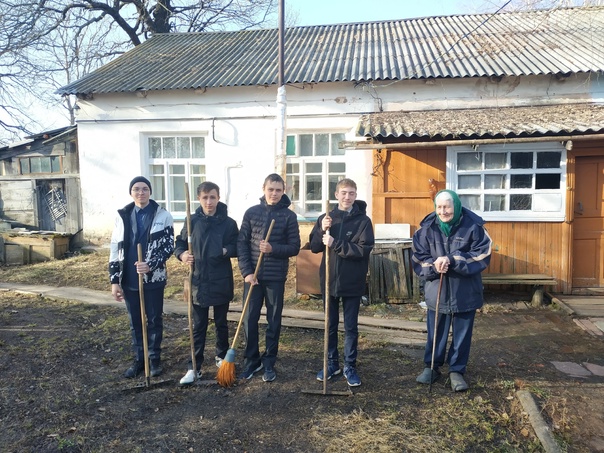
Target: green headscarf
446 227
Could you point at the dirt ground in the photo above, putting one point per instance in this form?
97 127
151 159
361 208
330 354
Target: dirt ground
61 388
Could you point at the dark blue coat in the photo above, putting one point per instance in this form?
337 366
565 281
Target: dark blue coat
213 271
285 239
469 251
349 254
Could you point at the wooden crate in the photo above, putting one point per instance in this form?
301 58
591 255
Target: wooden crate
308 280
390 273
30 248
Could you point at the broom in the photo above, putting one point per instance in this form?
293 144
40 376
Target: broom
189 282
226 373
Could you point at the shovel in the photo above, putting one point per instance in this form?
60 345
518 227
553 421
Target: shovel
147 383
326 330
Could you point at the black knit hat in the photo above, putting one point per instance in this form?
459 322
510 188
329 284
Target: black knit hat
140 179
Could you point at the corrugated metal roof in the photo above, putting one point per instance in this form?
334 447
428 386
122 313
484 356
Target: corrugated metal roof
485 123
567 40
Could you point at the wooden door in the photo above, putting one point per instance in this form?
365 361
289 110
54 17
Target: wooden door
588 257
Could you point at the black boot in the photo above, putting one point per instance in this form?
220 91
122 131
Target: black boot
135 369
156 368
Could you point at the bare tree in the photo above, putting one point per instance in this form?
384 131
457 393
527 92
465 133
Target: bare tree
45 44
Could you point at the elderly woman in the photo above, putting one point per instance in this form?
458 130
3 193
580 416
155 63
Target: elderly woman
453 245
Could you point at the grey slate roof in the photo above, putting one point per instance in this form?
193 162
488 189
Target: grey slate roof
485 123
567 40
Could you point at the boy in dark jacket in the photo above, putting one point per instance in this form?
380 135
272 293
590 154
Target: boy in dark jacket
142 222
270 283
213 244
349 242
453 245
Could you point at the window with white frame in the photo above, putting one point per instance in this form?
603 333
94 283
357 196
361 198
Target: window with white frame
174 160
314 167
519 182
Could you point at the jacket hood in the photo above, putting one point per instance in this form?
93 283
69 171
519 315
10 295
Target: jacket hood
358 207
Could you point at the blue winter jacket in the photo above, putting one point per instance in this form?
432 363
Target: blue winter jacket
469 251
285 239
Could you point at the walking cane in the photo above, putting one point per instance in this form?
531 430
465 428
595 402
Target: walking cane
440 284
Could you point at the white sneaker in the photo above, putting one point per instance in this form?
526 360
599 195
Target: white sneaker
190 377
218 361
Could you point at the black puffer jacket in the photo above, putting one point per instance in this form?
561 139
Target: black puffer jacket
349 254
285 239
213 272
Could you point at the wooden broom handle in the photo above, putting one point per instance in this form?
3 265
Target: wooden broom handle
247 299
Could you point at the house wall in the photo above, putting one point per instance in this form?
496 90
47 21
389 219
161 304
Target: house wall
402 194
240 126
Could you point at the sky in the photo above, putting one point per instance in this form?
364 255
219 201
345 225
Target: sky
324 12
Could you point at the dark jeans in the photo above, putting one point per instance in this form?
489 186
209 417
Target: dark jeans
459 351
154 306
200 328
350 307
270 293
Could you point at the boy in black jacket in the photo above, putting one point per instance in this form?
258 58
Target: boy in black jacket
349 242
213 244
270 282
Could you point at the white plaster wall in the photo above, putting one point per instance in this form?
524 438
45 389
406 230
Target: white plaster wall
240 128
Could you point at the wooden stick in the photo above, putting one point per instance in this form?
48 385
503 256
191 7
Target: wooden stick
327 301
190 282
141 292
440 284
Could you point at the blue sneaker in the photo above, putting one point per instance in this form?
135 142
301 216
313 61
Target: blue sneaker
352 377
333 369
269 375
249 371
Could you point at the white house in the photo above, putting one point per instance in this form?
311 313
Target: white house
506 109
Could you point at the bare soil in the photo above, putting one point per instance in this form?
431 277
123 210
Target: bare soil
61 384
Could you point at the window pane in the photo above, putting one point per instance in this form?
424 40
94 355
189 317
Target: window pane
322 145
494 182
305 144
471 202
494 202
290 145
169 147
333 182
469 161
36 164
292 168
293 187
198 145
520 202
197 169
314 186
24 166
195 181
549 160
177 170
521 181
183 147
55 164
45 164
158 182
547 181
494 161
155 147
314 167
313 207
157 169
335 140
469 182
521 160
337 167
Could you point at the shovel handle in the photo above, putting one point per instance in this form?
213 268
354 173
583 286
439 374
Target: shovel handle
141 292
189 282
